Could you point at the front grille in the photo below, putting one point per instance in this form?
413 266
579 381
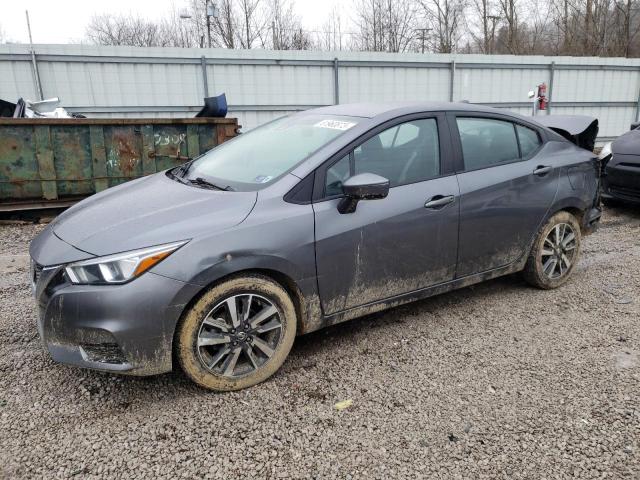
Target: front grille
45 281
629 165
624 191
36 271
104 352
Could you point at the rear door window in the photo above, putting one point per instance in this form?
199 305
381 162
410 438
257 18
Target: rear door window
487 142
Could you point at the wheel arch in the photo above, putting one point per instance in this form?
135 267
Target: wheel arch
284 279
574 206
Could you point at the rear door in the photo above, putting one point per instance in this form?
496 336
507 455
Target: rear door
401 243
507 184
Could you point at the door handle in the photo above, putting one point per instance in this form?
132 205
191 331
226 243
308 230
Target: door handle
542 170
439 201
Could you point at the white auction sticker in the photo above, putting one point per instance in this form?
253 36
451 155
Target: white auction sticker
335 124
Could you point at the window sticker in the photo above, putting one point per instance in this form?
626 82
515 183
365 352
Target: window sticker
335 124
262 178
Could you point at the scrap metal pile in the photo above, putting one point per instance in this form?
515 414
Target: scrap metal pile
48 108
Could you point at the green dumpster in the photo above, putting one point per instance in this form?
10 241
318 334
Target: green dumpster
56 162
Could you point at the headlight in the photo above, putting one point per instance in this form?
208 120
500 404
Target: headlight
605 152
121 267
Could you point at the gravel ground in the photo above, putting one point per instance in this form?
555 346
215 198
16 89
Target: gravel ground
497 380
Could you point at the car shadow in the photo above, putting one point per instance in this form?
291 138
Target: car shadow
391 319
623 209
118 394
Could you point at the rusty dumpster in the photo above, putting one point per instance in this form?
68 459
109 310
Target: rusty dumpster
56 162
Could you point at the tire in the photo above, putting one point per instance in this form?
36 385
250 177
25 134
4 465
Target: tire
540 270
259 350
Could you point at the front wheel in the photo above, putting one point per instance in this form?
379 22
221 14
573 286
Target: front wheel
237 334
555 252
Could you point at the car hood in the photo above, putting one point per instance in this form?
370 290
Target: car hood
627 143
149 211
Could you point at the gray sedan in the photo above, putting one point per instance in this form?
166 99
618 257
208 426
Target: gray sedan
307 221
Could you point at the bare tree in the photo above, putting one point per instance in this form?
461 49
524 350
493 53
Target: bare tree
509 33
385 25
226 24
240 23
626 18
445 18
254 24
286 29
331 35
561 27
481 19
127 30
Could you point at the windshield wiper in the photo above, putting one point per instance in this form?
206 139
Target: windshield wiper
182 170
201 182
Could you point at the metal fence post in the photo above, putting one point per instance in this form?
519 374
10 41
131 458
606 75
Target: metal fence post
452 80
552 69
34 62
638 104
336 83
205 81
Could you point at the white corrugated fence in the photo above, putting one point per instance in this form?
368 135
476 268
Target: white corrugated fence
260 84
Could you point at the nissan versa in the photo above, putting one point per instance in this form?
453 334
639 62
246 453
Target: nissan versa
307 221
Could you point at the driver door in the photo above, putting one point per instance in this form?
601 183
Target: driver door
399 244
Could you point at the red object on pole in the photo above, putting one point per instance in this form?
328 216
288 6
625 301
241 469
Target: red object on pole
542 96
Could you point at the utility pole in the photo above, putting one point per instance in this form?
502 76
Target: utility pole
274 38
494 19
212 11
423 36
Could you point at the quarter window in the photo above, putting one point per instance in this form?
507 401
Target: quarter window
487 142
529 140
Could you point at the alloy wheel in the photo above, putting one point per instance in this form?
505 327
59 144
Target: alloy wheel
239 335
558 251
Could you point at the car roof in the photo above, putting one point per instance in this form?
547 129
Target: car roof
372 110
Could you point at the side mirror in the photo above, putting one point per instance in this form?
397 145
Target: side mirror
364 186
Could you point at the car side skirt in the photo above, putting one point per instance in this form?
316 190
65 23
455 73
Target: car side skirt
420 294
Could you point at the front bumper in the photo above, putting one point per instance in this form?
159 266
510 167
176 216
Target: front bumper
120 328
621 179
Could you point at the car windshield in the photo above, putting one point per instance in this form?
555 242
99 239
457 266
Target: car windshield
254 159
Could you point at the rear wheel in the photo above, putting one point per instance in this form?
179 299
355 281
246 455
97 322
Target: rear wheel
555 252
238 334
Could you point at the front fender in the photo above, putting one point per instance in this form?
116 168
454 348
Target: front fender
235 262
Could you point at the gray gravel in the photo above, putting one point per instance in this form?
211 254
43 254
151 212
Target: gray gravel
497 380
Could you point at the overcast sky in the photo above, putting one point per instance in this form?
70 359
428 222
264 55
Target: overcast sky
64 21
